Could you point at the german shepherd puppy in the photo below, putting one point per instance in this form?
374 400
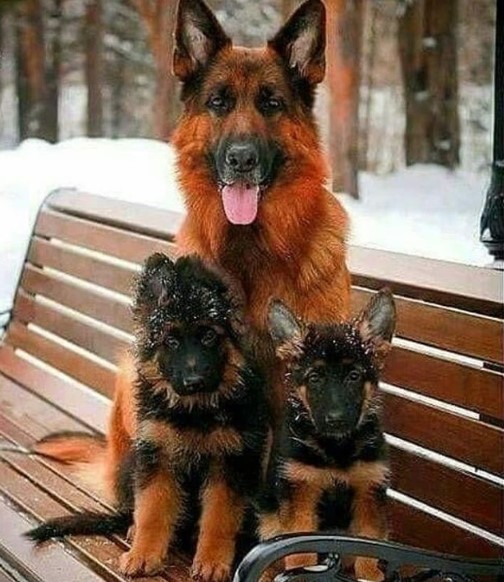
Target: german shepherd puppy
200 416
329 467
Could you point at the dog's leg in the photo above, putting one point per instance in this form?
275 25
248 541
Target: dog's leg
368 521
158 505
302 517
221 518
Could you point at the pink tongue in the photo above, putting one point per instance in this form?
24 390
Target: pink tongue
240 202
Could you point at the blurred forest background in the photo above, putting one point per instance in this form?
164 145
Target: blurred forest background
409 81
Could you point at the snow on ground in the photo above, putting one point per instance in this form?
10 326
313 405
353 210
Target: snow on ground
423 210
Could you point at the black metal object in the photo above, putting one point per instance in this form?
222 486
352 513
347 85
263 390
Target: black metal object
492 218
428 565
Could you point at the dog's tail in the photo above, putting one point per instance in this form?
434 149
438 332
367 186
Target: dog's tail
87 523
86 453
71 447
94 458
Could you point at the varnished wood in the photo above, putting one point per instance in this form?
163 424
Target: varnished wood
473 442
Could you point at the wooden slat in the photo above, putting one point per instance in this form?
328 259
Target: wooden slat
470 441
411 526
464 287
4 575
83 405
131 216
42 417
51 564
73 364
93 339
86 301
454 331
473 388
40 493
112 241
471 498
25 493
44 254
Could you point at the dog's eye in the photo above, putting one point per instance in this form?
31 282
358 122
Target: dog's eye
172 342
218 103
209 337
354 376
270 105
314 377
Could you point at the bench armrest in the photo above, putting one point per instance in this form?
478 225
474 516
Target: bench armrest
393 556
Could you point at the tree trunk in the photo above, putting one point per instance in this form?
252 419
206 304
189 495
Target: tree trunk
93 39
117 95
365 128
38 69
344 33
30 80
52 71
158 17
428 52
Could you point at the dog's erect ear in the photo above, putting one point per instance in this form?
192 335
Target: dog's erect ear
285 329
154 283
302 39
377 322
198 38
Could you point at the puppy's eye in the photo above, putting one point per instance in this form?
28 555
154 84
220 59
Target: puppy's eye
172 342
209 337
314 377
354 376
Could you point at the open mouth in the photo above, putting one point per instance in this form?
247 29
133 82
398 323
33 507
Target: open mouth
241 201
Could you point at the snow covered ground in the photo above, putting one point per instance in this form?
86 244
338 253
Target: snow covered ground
422 210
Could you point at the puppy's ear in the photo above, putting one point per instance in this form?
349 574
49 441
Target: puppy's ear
301 41
198 38
285 330
377 322
154 283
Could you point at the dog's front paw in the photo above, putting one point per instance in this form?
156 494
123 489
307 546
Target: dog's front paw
137 563
367 569
210 571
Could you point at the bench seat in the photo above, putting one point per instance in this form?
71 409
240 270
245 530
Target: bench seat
443 390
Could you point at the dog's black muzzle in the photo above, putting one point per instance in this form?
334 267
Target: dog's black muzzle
246 159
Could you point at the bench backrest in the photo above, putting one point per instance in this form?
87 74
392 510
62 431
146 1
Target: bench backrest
443 389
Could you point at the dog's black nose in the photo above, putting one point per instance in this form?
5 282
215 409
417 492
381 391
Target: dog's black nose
193 383
334 418
242 156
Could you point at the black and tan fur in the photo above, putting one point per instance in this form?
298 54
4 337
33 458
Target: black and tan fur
329 466
200 421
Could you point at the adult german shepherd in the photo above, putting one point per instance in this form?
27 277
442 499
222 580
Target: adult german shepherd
250 164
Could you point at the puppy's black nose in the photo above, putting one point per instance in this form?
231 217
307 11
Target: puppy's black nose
334 418
242 157
193 383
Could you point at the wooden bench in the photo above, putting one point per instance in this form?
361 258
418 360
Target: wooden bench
443 390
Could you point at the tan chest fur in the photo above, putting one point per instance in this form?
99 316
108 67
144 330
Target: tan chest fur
190 443
360 475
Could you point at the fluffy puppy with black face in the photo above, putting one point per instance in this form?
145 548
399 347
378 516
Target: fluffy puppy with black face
329 467
200 416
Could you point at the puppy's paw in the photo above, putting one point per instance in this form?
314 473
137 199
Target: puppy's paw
367 569
210 571
137 563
